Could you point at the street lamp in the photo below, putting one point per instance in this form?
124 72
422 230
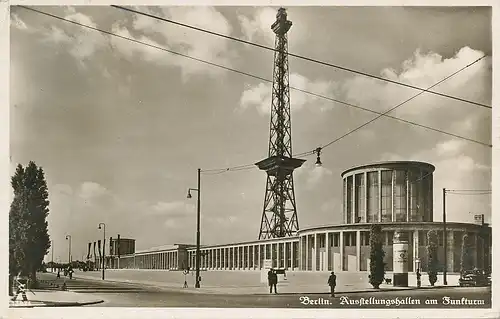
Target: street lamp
103 246
318 157
68 237
197 283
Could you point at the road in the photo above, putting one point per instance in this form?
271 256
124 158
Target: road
117 294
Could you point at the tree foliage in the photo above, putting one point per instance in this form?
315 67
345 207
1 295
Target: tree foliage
377 254
467 258
29 240
432 259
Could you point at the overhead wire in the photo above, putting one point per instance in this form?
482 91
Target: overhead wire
295 55
304 154
404 102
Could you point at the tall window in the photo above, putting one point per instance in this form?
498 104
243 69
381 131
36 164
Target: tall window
372 208
400 196
360 198
427 197
386 181
344 198
349 200
414 190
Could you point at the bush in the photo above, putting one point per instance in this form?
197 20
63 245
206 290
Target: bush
377 254
467 258
432 259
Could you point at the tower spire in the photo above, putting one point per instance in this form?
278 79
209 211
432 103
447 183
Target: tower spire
279 217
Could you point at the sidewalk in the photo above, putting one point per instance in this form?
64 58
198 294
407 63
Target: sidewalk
248 282
53 298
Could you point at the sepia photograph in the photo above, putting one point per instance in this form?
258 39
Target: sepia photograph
154 164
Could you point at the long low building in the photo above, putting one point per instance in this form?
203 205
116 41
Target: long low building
395 195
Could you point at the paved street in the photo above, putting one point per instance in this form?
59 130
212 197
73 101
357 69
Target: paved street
133 295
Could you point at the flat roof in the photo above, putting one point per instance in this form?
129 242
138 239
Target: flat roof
390 164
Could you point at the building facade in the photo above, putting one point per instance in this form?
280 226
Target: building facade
397 196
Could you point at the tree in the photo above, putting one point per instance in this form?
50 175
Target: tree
377 254
467 260
29 240
432 259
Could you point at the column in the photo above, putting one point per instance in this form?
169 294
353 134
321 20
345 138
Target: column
217 258
327 250
301 253
253 255
358 250
400 259
354 202
341 245
246 249
416 256
234 258
292 256
344 208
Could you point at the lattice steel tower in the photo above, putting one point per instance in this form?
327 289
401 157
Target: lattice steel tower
279 218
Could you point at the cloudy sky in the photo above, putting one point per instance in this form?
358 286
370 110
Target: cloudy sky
120 128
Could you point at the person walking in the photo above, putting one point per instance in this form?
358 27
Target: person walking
21 286
419 282
332 282
58 272
272 279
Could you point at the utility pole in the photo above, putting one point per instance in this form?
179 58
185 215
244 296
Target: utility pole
197 257
197 283
445 241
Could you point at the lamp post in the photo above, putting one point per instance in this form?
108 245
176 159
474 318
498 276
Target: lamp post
68 237
197 282
103 246
445 242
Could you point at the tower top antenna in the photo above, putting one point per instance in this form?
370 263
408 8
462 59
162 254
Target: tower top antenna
282 24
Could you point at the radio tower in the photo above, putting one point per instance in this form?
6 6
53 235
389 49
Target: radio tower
279 218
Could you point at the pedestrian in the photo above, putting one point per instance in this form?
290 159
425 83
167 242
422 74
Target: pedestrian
58 272
272 279
332 282
21 288
70 271
419 282
275 280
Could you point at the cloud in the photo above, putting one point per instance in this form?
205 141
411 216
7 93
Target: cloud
176 208
258 26
424 70
61 189
449 147
91 190
189 42
259 96
82 42
312 175
17 23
